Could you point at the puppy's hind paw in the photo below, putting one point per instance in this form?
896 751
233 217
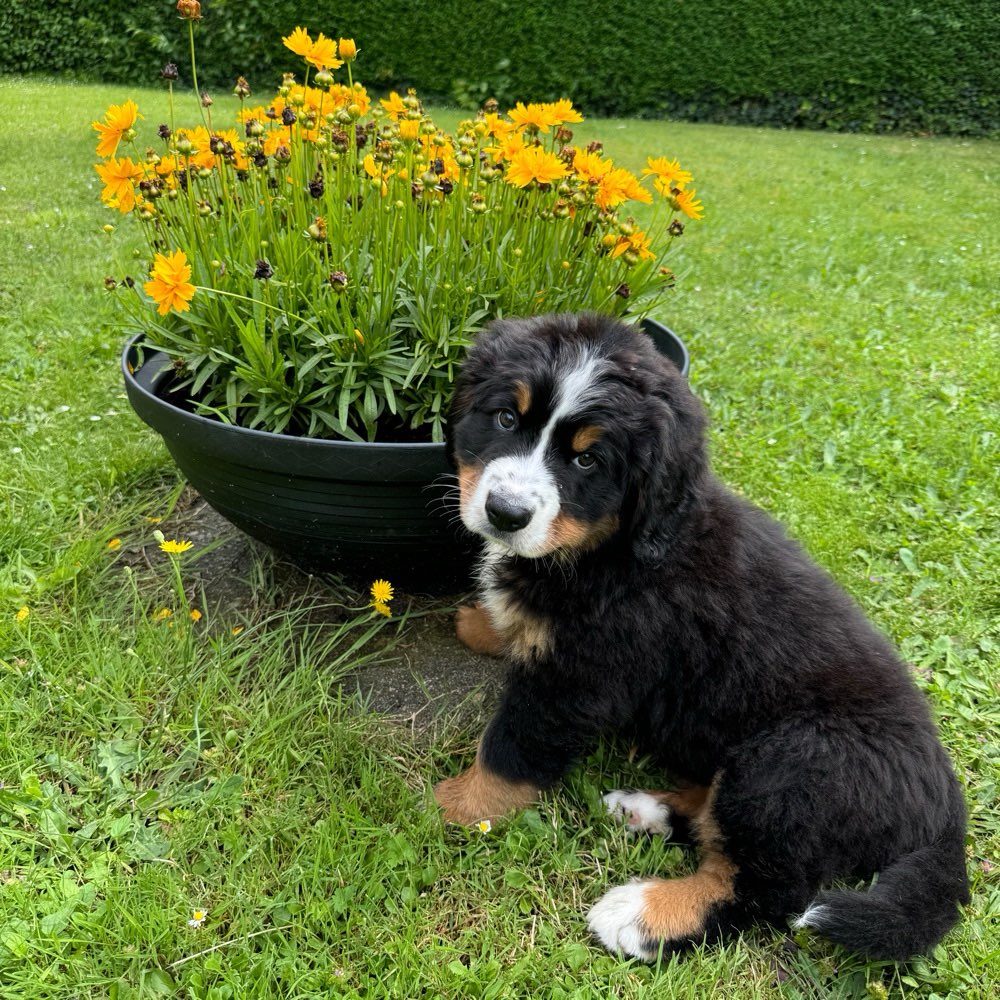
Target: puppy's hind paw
640 811
617 921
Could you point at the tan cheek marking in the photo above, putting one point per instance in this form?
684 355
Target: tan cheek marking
586 437
570 535
478 794
468 480
475 629
522 397
678 908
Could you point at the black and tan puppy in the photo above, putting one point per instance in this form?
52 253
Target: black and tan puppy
635 594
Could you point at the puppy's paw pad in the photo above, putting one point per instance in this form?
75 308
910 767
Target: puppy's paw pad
640 811
617 921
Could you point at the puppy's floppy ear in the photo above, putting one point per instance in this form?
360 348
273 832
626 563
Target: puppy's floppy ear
475 368
668 464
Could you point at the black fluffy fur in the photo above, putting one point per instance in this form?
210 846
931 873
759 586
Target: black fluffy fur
703 631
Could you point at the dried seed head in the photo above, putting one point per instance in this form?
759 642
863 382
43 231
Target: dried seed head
163 132
338 281
242 88
263 270
169 72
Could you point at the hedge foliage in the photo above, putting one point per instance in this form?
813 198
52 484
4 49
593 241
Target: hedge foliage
856 65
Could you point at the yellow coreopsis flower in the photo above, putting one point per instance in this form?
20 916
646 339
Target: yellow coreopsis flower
591 167
323 53
540 117
120 177
563 112
637 243
686 202
346 49
667 172
509 146
170 289
394 105
619 185
118 119
409 129
298 41
534 164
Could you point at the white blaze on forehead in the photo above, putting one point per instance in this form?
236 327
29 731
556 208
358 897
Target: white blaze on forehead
525 479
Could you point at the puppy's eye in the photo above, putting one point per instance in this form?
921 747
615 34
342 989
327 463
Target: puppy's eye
506 419
585 460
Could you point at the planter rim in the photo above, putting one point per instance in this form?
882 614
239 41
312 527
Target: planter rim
141 383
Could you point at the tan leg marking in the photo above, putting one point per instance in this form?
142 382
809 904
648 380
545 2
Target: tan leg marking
478 794
475 629
678 907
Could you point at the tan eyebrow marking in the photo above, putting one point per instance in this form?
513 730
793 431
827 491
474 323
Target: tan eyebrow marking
586 437
522 397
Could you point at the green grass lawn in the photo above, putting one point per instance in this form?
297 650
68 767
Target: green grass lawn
840 304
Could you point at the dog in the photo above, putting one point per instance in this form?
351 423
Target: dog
634 594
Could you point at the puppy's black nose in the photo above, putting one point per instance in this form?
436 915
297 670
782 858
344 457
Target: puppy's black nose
505 515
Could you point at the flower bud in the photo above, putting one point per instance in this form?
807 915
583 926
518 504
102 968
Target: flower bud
282 154
323 78
354 111
108 228
189 10
338 281
184 146
317 230
346 49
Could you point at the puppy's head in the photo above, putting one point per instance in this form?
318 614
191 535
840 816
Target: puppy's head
569 431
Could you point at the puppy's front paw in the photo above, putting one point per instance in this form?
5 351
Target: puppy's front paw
617 921
640 811
477 794
452 795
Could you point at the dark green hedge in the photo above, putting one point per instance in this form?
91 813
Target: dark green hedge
854 65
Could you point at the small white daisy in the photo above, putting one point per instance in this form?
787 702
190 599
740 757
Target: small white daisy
197 918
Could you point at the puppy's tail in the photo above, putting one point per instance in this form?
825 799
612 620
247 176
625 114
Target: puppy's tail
906 912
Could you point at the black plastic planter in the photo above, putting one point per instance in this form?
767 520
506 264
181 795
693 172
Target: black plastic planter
361 509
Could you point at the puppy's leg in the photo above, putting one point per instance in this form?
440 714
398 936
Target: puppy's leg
669 814
532 741
474 628
479 793
660 916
